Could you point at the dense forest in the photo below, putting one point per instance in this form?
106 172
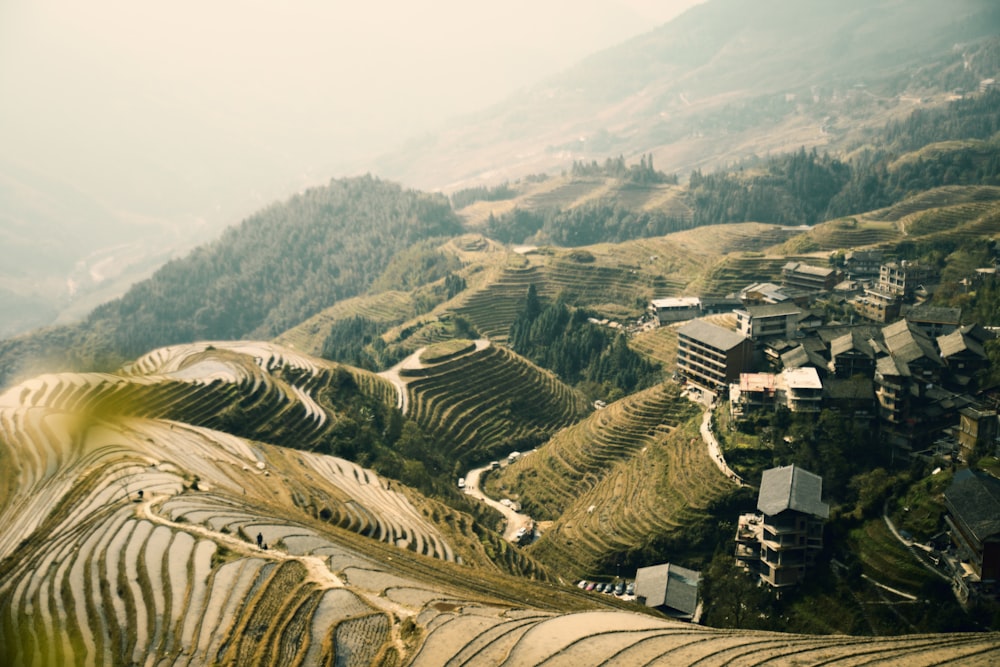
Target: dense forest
278 267
594 358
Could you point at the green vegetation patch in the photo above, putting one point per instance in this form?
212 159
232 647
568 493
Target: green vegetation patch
885 559
445 350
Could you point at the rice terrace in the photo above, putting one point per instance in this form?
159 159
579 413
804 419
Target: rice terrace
688 354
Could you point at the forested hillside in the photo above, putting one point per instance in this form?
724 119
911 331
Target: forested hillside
957 144
277 268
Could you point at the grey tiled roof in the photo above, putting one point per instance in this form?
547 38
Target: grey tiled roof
975 497
791 487
853 340
908 343
772 309
958 341
711 335
668 585
939 314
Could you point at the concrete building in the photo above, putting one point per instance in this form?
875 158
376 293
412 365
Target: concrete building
804 276
796 389
903 278
878 305
777 320
710 356
676 309
782 541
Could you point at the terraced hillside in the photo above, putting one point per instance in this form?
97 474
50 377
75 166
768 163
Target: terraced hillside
961 212
388 308
134 539
635 471
654 494
486 400
577 458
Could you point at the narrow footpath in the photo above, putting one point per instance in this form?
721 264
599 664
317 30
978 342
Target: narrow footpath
707 400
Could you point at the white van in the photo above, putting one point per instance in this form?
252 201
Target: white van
461 482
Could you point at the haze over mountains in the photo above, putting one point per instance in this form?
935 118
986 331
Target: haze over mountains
154 129
725 81
183 148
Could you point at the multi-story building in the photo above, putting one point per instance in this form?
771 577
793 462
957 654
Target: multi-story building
711 356
852 354
797 389
803 389
863 263
903 278
782 541
675 309
807 277
774 320
977 431
964 354
878 305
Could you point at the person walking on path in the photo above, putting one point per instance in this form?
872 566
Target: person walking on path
260 541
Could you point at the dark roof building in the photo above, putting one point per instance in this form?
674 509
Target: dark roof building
781 543
973 502
668 588
851 354
807 277
935 320
792 488
711 356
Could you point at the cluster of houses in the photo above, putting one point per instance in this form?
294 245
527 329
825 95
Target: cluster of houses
910 370
915 373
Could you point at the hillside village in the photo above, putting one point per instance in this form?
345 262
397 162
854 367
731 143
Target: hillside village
910 372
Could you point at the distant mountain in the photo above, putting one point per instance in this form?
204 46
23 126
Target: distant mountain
280 266
727 79
64 252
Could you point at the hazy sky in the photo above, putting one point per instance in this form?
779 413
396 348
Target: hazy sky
168 107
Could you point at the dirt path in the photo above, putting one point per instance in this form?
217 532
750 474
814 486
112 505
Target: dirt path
515 520
316 566
714 451
413 361
707 401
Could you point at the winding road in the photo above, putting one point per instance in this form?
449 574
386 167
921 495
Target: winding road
515 520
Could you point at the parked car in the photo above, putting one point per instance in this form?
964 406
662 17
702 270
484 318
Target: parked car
599 588
590 586
620 588
582 584
630 588
461 482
